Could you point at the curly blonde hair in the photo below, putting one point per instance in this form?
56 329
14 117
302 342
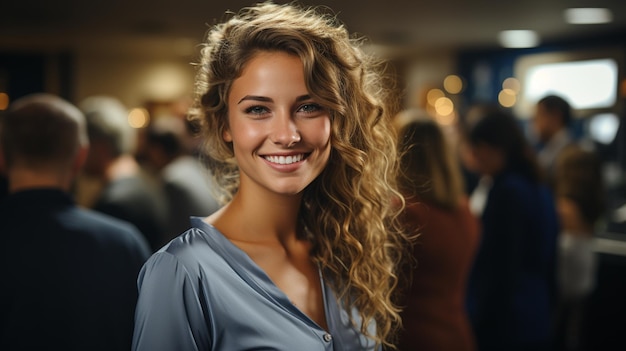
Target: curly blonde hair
349 212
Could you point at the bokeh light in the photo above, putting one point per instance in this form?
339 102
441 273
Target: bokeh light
453 84
444 106
507 98
138 118
512 84
433 95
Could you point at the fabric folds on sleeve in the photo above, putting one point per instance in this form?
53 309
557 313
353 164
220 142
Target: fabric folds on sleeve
169 315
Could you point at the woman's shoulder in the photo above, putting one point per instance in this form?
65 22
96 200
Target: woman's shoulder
199 245
202 251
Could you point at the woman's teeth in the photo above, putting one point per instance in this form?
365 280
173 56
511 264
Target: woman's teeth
285 160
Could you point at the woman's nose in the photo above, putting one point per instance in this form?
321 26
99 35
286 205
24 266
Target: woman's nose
285 131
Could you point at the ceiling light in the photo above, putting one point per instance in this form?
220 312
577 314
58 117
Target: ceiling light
588 15
518 38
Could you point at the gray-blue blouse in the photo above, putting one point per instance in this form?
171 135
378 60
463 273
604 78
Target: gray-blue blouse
201 292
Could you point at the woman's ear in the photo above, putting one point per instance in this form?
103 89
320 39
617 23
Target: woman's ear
226 135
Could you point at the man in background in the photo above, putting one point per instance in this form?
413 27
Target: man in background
551 125
68 274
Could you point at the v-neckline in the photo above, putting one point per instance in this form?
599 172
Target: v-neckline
256 277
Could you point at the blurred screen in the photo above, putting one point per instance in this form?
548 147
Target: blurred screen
586 84
588 80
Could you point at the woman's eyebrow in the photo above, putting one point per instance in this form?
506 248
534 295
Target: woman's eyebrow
267 99
255 98
303 98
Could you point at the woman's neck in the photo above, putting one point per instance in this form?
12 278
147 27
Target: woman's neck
261 217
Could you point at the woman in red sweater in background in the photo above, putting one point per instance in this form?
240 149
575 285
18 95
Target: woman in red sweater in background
437 209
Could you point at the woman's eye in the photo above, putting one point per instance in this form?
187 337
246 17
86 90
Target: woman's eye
309 108
256 110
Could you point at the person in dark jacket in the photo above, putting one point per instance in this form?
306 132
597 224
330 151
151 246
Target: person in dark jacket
68 274
511 293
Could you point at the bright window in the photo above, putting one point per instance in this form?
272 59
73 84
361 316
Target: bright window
586 84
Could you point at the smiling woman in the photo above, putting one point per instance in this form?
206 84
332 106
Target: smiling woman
305 252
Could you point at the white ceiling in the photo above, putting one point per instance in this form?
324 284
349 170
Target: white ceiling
420 25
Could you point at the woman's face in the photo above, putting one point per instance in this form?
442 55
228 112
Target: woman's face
280 135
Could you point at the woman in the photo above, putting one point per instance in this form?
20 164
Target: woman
511 287
436 208
303 254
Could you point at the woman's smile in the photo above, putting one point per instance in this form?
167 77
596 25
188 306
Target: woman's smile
285 159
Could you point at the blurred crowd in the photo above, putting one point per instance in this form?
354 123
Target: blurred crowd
86 199
506 215
508 262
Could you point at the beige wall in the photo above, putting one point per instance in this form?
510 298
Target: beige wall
133 80
426 72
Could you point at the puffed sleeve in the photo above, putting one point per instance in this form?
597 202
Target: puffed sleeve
169 315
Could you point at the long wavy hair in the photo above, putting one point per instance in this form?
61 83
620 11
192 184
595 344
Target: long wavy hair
430 171
350 210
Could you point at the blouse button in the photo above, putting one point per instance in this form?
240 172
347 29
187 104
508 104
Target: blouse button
328 337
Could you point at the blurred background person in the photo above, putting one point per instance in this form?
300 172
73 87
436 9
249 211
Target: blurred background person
477 185
574 173
186 183
437 209
127 192
68 274
551 126
511 292
581 204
